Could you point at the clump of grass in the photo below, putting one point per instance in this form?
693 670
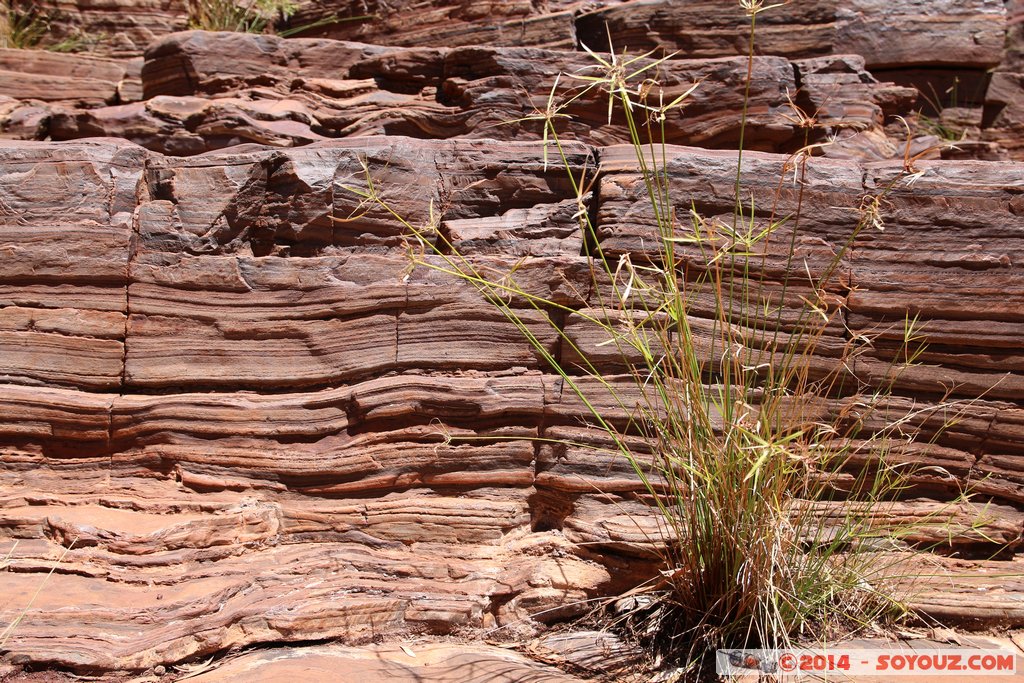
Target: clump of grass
248 16
78 40
22 27
27 28
935 126
257 16
772 476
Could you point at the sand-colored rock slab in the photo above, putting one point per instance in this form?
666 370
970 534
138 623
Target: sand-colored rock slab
415 662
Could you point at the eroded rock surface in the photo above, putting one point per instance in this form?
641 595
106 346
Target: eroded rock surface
232 395
235 411
471 70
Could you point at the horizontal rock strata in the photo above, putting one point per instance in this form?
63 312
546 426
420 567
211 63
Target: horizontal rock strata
844 71
242 402
111 29
235 411
51 76
299 91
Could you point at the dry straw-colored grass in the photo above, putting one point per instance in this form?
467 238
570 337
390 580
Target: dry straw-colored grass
742 439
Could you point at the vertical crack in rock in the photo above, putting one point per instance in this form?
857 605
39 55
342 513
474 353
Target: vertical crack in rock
141 194
590 236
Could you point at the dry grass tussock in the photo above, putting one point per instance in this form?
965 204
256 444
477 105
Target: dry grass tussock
738 438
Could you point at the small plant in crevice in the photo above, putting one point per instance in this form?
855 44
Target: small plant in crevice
245 16
257 16
78 40
774 476
951 117
27 27
286 30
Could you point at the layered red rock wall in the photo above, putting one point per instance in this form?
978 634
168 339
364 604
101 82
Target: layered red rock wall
853 65
227 387
237 408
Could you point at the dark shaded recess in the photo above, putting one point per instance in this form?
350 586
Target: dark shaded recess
345 22
421 68
940 87
67 452
549 509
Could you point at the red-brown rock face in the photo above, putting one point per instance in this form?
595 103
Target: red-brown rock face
225 386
